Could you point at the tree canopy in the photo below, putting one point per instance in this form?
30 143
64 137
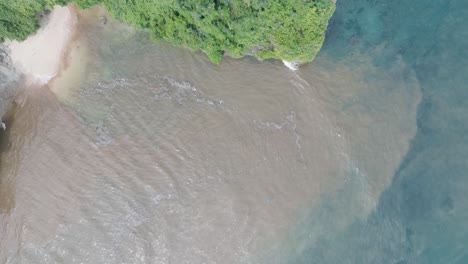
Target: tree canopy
291 30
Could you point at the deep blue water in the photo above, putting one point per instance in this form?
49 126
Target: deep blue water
422 217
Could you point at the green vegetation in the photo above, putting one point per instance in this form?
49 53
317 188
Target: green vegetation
19 18
291 30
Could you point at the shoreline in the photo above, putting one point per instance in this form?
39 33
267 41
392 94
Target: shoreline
42 56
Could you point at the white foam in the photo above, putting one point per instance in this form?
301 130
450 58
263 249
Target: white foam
294 66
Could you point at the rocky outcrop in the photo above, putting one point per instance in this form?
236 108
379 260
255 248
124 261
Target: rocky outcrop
8 81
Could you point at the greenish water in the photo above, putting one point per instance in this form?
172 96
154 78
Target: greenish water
147 153
422 216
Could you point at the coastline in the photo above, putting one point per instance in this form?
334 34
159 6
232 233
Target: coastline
42 56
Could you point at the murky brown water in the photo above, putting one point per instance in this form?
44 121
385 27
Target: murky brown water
146 153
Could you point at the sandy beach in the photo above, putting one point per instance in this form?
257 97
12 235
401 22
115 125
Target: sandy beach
41 56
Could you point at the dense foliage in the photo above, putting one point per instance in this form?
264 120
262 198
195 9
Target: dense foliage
19 18
292 30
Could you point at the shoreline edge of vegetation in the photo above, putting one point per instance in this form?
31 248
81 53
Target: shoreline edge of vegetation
289 30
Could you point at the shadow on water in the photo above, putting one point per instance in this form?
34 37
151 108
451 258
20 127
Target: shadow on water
6 184
9 89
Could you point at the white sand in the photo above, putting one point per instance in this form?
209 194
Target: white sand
41 56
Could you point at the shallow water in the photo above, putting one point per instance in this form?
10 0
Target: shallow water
421 216
146 153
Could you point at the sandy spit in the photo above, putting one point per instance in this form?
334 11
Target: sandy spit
41 56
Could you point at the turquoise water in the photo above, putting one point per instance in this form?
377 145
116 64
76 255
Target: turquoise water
422 215
152 154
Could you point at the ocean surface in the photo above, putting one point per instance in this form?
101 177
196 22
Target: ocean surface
421 217
141 152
